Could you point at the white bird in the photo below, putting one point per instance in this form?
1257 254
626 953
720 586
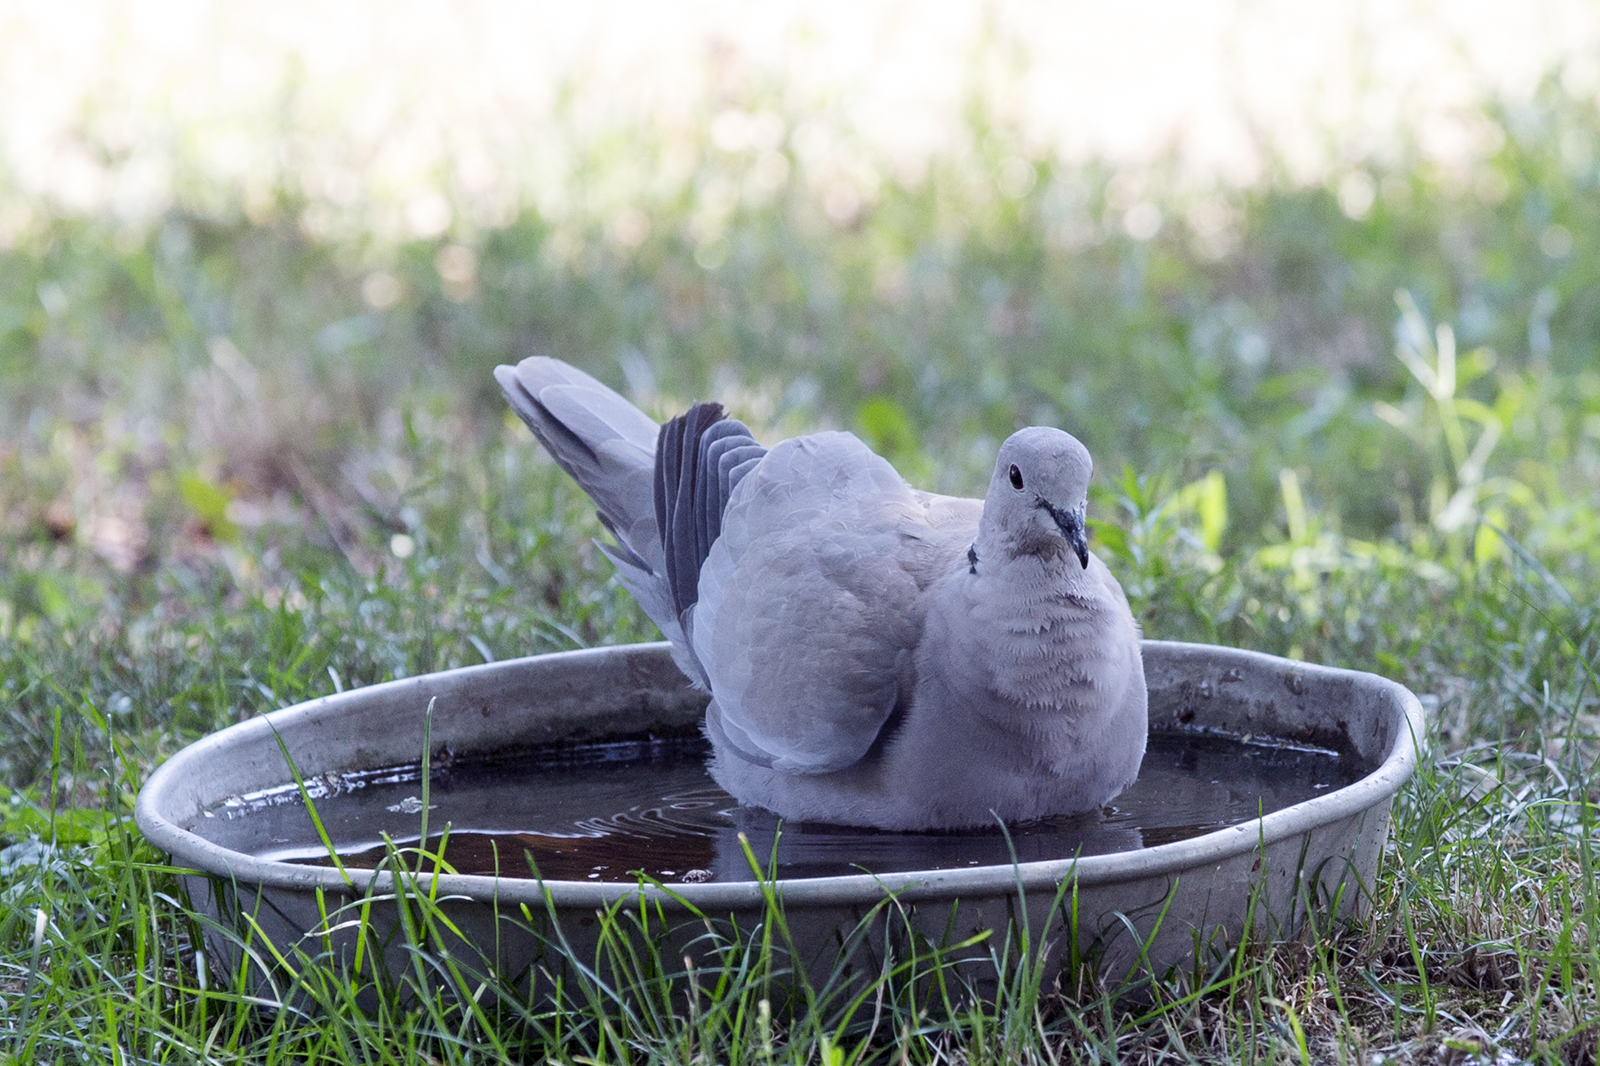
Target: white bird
875 655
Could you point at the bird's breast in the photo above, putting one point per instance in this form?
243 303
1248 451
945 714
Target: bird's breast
1026 647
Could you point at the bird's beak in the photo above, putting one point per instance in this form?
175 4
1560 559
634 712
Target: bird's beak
1072 528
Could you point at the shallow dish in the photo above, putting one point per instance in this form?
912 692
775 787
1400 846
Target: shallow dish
1191 895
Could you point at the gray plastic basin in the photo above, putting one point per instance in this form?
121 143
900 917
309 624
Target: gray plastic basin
1185 900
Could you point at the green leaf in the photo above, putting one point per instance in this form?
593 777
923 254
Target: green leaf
832 1054
53 599
1211 503
209 502
887 428
1112 538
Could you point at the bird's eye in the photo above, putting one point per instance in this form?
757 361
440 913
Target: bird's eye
1016 477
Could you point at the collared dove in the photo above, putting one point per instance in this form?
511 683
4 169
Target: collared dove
875 655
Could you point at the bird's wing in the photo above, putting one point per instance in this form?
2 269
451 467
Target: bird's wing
808 614
943 528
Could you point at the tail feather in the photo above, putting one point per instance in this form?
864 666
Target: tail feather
701 457
655 597
604 442
660 490
679 471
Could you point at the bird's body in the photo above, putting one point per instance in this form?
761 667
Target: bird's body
876 655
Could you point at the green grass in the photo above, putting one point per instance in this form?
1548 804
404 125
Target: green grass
228 484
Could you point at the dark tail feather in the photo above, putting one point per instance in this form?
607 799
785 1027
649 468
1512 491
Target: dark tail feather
700 458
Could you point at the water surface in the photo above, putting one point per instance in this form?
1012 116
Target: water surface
609 812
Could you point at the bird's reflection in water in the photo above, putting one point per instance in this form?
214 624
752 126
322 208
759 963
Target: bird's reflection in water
658 815
662 843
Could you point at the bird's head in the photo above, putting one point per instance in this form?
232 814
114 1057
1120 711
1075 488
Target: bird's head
1039 494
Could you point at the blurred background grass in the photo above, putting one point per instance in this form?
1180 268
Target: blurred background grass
244 367
229 388
1341 375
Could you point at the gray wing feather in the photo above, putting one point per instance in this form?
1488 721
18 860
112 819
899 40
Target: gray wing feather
740 463
733 463
806 616
711 489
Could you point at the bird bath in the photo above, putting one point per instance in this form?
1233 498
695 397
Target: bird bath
1264 796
